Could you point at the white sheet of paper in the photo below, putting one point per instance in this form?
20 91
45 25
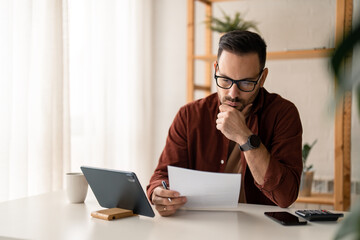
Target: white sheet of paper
205 190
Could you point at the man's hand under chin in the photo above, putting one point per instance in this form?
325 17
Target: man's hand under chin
232 123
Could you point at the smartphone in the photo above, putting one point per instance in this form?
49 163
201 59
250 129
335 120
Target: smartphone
286 218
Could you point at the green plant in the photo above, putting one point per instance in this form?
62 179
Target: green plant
229 24
350 226
305 153
344 81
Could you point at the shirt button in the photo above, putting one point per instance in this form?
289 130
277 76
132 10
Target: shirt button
222 161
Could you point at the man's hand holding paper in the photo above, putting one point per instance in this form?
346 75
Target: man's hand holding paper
163 205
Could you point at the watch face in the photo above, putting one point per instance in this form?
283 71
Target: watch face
254 141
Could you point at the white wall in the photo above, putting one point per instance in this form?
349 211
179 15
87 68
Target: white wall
284 24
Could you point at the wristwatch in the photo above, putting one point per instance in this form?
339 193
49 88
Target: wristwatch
252 143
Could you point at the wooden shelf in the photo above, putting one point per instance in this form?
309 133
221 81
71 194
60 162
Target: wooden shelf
298 54
208 58
213 1
202 87
317 198
293 54
341 198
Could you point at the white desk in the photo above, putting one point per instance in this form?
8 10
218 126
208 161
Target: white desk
50 216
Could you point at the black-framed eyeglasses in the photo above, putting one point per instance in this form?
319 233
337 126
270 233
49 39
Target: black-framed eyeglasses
245 85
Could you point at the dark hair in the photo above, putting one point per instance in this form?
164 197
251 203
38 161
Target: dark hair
243 42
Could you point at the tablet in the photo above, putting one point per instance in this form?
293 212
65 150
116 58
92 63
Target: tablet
118 189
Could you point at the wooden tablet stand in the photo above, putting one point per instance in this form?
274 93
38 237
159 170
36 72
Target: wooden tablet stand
112 213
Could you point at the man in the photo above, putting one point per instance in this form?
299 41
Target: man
240 129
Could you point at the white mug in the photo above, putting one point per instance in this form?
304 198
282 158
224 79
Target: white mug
76 187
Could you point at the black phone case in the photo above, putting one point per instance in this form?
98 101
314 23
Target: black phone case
286 218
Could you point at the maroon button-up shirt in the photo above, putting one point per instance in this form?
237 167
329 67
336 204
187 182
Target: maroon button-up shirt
194 142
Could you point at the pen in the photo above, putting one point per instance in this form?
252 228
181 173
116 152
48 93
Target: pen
165 186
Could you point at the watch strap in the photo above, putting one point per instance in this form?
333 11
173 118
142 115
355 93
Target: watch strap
245 147
252 142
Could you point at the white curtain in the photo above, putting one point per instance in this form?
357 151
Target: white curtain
75 90
33 148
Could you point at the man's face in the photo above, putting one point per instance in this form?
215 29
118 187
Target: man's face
238 67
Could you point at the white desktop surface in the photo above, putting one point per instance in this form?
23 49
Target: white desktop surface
50 216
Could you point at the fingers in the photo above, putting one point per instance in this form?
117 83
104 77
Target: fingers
224 115
220 118
224 108
167 210
165 193
160 199
232 122
226 111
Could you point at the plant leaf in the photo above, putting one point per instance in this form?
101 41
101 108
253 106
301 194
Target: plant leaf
305 153
228 24
340 54
350 226
357 91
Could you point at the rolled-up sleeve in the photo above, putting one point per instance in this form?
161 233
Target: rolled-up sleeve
282 178
175 152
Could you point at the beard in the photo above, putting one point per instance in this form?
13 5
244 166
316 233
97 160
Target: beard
237 102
